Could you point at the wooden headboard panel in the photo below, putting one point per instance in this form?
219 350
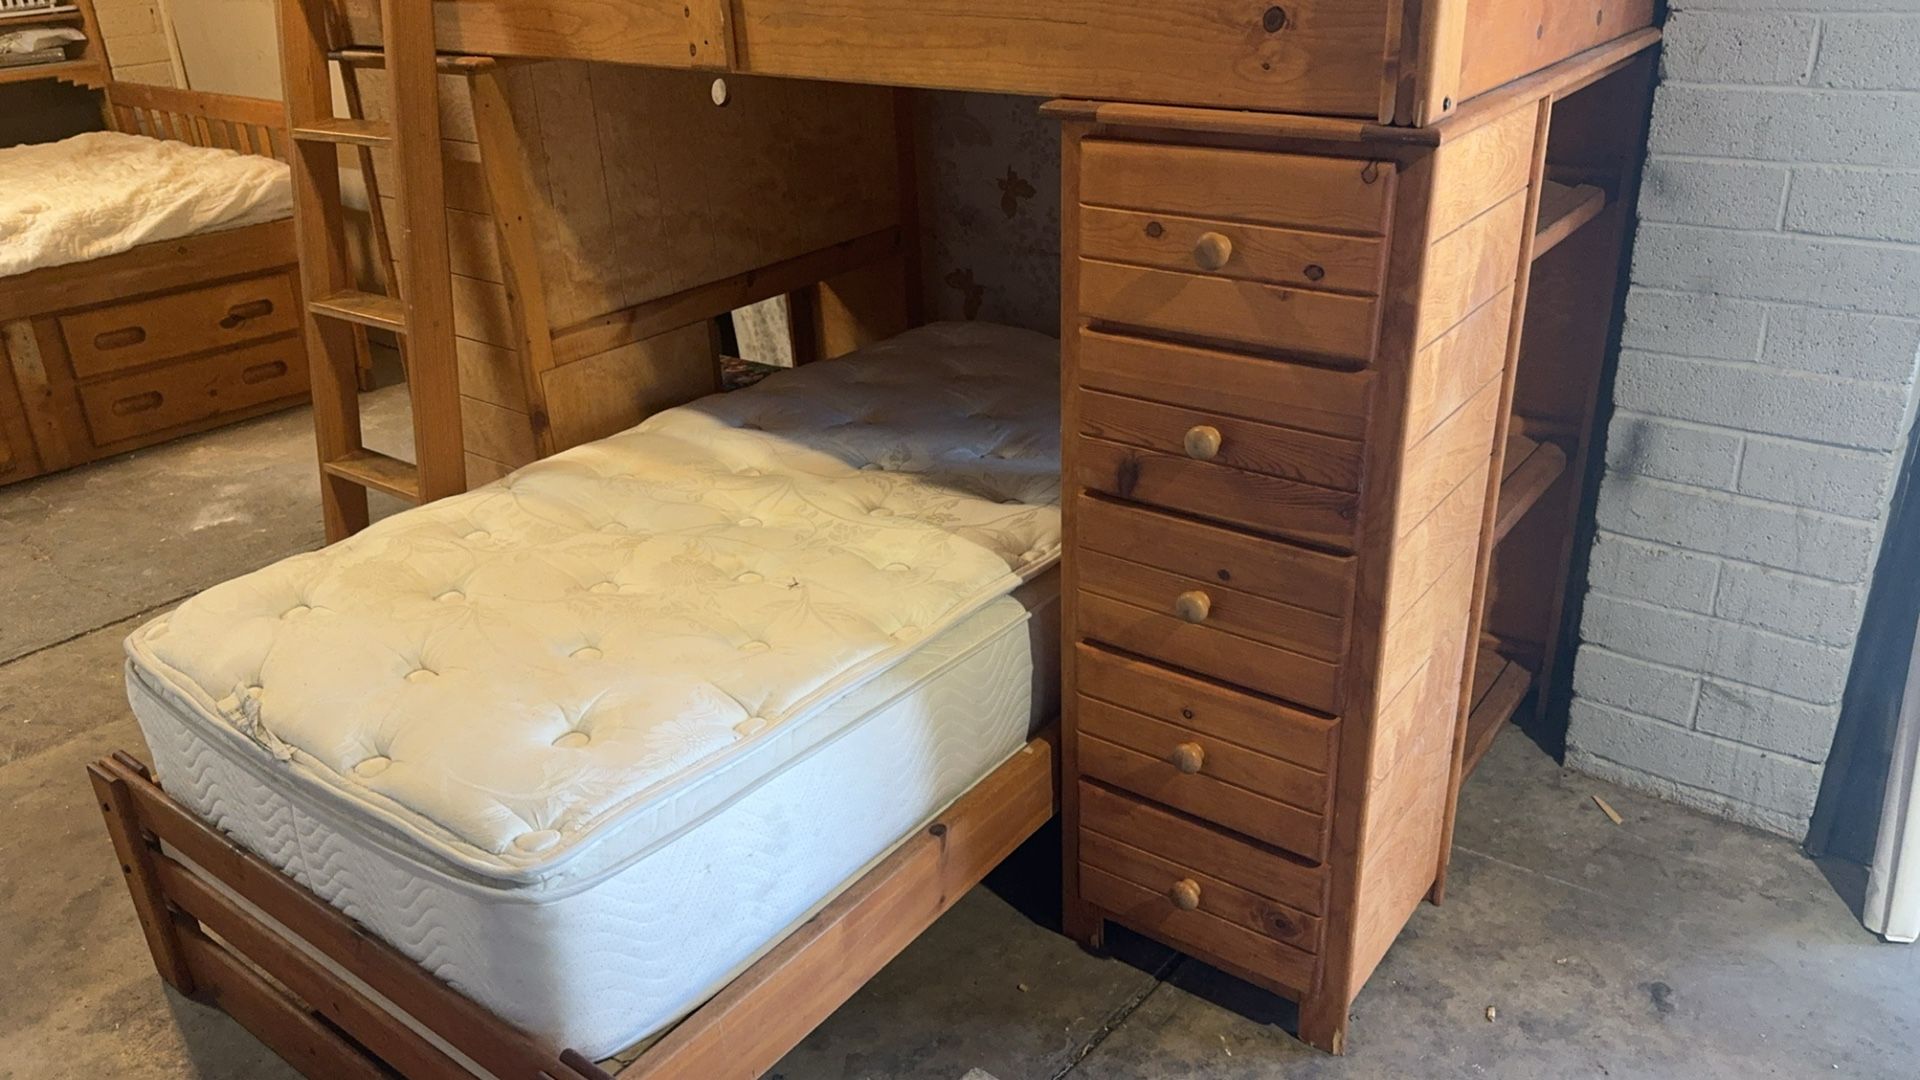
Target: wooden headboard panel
223 121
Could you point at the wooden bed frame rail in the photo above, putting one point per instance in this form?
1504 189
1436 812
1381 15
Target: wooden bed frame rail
222 121
248 945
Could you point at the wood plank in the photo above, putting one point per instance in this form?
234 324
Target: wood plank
1433 467
746 1028
1314 580
1182 840
150 268
1471 265
1450 370
1224 760
1245 810
1111 680
663 33
1218 898
1241 444
1296 677
1480 170
105 340
183 392
1511 38
1317 515
298 1035
1531 468
1327 194
1266 253
1497 697
1564 208
1234 611
374 470
1319 399
609 392
1246 312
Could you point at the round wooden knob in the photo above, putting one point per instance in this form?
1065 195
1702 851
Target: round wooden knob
1202 442
1185 894
1212 250
1188 757
1193 605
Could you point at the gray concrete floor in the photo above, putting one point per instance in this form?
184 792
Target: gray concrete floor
1673 945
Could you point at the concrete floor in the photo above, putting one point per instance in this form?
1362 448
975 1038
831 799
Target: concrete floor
1673 945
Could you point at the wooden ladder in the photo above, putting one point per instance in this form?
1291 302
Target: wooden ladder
422 311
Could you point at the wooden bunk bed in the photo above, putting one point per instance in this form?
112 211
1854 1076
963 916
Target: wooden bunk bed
1339 287
168 338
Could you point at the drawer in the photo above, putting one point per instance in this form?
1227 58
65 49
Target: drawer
1234 249
1253 313
1270 504
1297 576
188 391
1206 708
1316 399
1210 605
1351 195
1159 634
1305 456
111 339
1199 888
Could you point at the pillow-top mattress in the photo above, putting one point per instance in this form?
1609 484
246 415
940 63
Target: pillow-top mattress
522 682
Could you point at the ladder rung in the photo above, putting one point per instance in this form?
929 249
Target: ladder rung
373 469
365 308
445 63
352 131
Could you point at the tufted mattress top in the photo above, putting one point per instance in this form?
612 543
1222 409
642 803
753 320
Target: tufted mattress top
546 677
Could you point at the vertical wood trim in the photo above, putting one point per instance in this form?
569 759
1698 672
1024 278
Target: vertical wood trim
1080 920
1503 421
501 157
1323 1013
1438 54
136 865
433 372
382 240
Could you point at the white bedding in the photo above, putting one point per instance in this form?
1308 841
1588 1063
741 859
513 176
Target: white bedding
104 192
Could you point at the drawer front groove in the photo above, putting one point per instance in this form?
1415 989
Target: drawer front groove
1311 682
1277 256
1270 504
1340 194
1217 898
1320 460
189 391
1300 396
1231 611
1185 842
1250 312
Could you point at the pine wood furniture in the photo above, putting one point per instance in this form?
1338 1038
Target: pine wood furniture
168 338
1339 282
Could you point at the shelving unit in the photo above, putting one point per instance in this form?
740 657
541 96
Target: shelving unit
88 68
1530 468
1563 209
1499 686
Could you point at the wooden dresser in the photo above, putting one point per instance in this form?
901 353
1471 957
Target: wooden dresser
1301 418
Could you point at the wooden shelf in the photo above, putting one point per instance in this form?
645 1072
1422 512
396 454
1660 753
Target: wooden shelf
1563 209
1531 468
79 72
1499 686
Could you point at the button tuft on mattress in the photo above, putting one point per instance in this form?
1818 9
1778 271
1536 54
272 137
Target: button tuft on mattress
372 766
479 536
755 646
535 842
573 740
419 675
907 633
748 522
451 596
295 611
880 511
586 652
749 578
604 587
751 725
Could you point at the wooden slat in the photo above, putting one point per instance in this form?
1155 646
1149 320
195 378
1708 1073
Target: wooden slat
1218 898
1266 253
1531 469
1321 193
1235 611
372 469
1245 810
1500 685
1182 840
745 1029
1246 312
1317 515
364 308
299 1036
1157 635
346 131
1308 457
1303 396
1564 208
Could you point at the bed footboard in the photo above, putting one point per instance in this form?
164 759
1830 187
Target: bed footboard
254 956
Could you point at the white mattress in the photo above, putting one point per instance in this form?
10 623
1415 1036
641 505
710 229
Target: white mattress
861 521
104 192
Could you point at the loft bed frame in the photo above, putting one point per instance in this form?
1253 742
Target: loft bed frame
1493 148
169 338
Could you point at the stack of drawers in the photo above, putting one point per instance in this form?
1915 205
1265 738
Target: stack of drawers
1225 308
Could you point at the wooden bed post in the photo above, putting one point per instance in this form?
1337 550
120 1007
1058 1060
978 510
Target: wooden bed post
135 853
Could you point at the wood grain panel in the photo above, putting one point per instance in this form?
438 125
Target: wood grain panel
1444 537
1268 727
1460 447
1245 811
1449 371
498 433
1294 395
663 33
1274 451
1471 265
1290 676
1179 839
1197 932
1243 614
188 391
1249 312
1269 504
1303 577
1221 760
1217 898
110 339
1258 252
1478 171
1511 38
609 392
1321 193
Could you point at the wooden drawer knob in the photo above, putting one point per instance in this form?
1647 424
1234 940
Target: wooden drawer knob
1193 605
1185 894
1212 250
1188 757
1202 442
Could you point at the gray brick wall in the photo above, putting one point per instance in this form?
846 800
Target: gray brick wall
1765 390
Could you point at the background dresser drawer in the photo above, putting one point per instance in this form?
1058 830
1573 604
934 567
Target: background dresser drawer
1210 605
1341 194
187 391
1252 312
1159 634
1305 456
1279 256
1270 504
1297 576
1203 889
1316 399
140 332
